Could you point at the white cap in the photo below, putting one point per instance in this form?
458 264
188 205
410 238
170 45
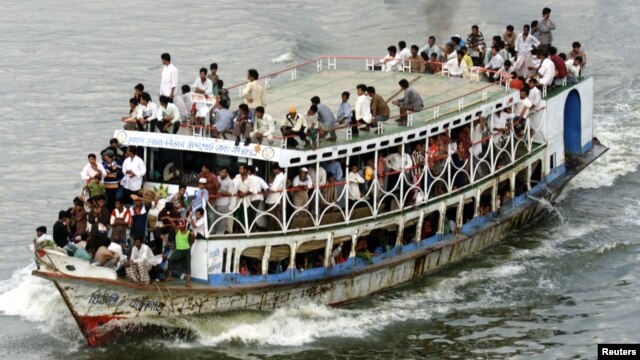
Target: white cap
202 180
304 169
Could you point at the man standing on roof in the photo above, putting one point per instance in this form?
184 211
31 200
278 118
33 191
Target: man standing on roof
412 101
169 81
545 25
254 93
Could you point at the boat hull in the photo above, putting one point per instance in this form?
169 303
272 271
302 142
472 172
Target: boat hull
102 308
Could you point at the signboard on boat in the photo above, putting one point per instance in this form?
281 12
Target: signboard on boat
195 143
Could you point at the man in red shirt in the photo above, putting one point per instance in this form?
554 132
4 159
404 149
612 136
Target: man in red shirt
212 181
561 67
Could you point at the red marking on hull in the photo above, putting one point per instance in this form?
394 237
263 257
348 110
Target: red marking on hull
93 328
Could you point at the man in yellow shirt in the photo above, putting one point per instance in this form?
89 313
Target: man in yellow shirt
254 92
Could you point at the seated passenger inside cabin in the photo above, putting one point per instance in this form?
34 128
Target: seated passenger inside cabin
412 101
168 117
243 124
291 125
355 180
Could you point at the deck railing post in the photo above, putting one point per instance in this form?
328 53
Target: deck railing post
346 200
283 205
332 63
267 82
374 183
319 65
402 177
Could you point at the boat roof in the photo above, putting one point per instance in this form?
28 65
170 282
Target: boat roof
441 96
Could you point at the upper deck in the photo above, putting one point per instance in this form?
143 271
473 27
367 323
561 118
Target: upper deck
445 99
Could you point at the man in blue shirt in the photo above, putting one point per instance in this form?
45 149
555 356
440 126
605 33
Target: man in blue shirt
224 119
344 111
334 167
325 116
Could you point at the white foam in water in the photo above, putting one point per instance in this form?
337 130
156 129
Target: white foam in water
36 300
286 57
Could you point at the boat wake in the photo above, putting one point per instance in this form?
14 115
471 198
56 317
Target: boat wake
616 125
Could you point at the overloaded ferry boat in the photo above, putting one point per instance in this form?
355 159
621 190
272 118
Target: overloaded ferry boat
408 201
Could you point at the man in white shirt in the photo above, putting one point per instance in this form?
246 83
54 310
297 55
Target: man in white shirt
363 107
391 61
147 112
133 169
274 198
404 52
141 262
573 69
318 175
547 70
456 67
254 92
354 179
223 200
496 63
397 162
92 168
264 127
430 48
202 85
294 124
535 95
169 81
523 110
499 125
525 42
168 116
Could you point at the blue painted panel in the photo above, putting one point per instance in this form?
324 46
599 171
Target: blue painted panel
573 123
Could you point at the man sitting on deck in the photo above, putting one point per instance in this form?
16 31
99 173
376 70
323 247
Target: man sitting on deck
243 124
344 111
325 117
181 256
412 101
141 262
391 61
147 112
168 116
224 119
265 127
363 108
293 124
547 71
379 108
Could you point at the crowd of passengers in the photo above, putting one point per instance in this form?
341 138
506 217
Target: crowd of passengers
528 61
108 224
